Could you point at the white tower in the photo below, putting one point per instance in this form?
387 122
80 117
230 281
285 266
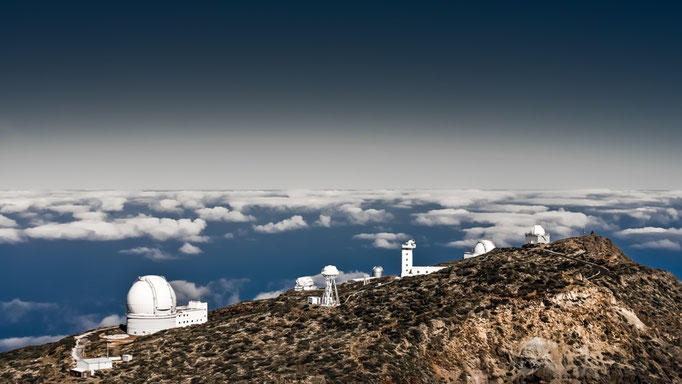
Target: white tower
537 235
406 266
331 295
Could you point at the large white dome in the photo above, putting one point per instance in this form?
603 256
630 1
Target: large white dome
483 246
151 295
330 270
537 230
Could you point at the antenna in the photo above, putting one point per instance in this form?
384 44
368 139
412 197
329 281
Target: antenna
331 295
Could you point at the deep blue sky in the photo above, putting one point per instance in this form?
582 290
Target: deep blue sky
68 258
352 94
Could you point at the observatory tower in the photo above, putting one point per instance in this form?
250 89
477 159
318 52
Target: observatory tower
407 269
331 295
407 257
537 235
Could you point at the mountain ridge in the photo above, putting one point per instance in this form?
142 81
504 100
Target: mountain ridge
575 310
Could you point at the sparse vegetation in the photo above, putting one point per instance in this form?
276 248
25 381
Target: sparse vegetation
512 315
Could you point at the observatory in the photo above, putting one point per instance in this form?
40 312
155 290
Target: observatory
483 246
407 269
377 272
152 307
304 283
537 235
330 298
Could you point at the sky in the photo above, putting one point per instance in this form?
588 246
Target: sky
342 95
69 257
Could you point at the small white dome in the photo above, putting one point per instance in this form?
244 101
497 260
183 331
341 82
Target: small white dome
151 295
483 246
330 270
537 230
378 271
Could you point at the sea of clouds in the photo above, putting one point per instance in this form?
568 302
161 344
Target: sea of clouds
638 219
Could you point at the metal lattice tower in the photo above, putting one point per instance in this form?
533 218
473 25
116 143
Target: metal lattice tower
331 295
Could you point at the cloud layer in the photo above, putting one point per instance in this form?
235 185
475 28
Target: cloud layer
651 216
18 342
290 224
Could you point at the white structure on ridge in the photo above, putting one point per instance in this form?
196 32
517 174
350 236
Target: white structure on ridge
304 283
330 298
378 271
483 246
92 365
537 235
407 269
152 307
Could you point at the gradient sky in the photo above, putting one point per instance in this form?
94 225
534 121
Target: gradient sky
352 94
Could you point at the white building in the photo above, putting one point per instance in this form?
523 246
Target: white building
407 269
537 235
94 364
304 283
195 312
483 246
152 307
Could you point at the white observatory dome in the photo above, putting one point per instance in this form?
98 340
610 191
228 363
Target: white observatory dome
330 270
483 246
537 230
378 271
151 295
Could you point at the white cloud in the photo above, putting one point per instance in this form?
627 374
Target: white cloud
18 342
648 231
187 290
112 203
11 235
96 229
7 222
151 253
112 320
446 216
16 309
217 293
292 223
190 249
664 244
92 321
384 240
324 221
506 228
166 205
229 235
468 243
91 216
223 214
268 295
198 239
69 208
357 215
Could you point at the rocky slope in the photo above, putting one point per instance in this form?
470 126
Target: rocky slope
577 310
